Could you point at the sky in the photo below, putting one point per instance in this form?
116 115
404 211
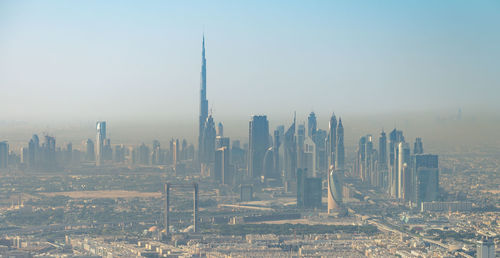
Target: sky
139 61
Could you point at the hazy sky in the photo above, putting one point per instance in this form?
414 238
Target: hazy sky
126 60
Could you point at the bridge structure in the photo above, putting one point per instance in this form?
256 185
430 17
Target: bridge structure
168 186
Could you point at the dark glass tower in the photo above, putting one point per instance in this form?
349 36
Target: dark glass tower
258 143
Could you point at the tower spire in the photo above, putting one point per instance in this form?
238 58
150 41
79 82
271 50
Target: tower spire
203 99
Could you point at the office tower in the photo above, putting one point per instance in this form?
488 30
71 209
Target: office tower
175 153
335 185
208 146
34 153
301 137
258 140
485 248
278 139
222 167
426 175
311 124
100 141
331 141
69 154
238 155
31 154
418 147
308 190
119 154
203 104
184 150
395 137
4 154
309 156
89 150
220 129
360 159
24 156
340 151
49 152
369 161
107 150
404 172
319 139
271 158
382 151
290 157
142 155
281 130
222 142
218 165
156 155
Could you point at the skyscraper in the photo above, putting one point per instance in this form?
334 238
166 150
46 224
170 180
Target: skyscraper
404 173
311 124
418 147
258 142
100 141
290 157
309 156
220 129
331 140
308 190
222 142
301 137
319 139
335 185
34 156
369 161
4 154
382 168
485 248
382 151
89 150
340 152
208 145
49 152
426 175
203 103
395 137
156 156
271 158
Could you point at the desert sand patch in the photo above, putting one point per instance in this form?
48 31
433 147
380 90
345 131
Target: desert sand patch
105 194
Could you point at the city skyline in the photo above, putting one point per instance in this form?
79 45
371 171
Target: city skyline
306 129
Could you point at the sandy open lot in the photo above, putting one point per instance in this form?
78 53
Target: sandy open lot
106 194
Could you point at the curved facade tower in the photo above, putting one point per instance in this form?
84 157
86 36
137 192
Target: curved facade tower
335 183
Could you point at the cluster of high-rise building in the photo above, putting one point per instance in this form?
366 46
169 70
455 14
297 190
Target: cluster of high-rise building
298 158
410 176
46 155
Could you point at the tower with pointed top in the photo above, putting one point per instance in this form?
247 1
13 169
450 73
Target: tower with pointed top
203 101
331 140
340 153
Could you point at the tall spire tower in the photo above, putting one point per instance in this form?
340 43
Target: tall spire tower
203 100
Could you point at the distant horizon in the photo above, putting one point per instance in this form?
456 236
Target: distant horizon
144 60
473 130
